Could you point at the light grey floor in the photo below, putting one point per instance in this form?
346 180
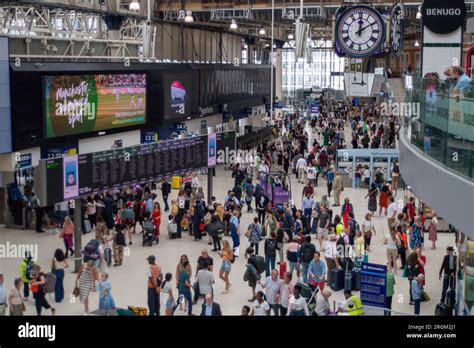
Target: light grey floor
129 281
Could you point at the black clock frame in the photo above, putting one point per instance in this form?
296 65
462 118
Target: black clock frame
397 9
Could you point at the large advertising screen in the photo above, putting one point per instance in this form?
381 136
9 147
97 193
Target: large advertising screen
77 104
177 97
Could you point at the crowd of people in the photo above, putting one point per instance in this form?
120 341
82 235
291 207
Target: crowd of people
290 252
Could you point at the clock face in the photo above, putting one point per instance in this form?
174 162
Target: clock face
396 31
360 31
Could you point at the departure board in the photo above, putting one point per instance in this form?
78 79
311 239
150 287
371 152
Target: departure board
112 169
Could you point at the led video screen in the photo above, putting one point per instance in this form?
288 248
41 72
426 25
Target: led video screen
77 104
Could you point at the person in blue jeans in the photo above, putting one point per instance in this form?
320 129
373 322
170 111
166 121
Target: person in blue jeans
234 228
59 264
417 291
270 248
184 287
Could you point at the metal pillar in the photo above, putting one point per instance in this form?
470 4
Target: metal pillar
77 234
210 174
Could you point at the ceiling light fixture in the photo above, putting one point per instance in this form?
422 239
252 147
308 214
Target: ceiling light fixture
134 6
417 44
291 36
233 25
262 31
189 17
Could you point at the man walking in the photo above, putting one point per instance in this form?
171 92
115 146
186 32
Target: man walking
154 286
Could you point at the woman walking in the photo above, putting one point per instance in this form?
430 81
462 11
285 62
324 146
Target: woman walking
433 231
37 288
167 289
227 256
85 281
156 216
67 234
372 195
59 264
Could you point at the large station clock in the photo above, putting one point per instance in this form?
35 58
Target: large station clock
397 29
360 31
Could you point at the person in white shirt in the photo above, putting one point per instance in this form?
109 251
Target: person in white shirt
286 291
311 174
323 306
195 183
297 306
300 169
263 168
391 212
260 306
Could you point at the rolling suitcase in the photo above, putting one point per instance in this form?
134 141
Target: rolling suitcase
356 279
87 226
108 256
337 279
348 281
282 269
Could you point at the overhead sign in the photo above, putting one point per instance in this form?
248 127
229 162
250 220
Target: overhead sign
443 17
24 161
373 283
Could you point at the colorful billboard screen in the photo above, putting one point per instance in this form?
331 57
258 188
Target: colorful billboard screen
77 104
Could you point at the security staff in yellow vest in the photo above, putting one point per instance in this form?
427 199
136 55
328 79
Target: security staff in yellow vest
352 305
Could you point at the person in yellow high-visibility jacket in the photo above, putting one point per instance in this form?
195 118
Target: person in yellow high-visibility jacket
352 305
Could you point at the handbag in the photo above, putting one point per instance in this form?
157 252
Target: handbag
425 297
76 291
23 307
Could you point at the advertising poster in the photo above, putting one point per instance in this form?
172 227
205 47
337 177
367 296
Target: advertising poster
177 88
212 150
71 176
77 104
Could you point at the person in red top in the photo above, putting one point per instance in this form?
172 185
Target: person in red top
156 216
308 190
411 209
421 260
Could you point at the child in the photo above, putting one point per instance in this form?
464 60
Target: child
106 301
119 244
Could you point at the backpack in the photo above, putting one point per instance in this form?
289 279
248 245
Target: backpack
50 283
120 238
91 250
271 247
29 272
260 264
306 253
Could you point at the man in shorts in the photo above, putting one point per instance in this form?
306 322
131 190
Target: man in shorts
323 226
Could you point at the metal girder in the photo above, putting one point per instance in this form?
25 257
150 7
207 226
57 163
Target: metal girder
38 32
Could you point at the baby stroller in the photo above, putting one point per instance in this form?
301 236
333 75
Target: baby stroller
149 232
308 292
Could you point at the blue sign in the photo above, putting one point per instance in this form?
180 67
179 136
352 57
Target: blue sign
279 104
314 107
59 150
373 283
24 161
149 137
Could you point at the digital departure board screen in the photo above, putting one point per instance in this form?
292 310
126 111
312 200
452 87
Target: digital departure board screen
73 176
225 140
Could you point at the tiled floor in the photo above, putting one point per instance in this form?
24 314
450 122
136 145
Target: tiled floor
129 281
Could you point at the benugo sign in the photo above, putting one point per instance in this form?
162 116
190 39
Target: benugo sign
443 16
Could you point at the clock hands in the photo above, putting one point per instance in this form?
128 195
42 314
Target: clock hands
359 32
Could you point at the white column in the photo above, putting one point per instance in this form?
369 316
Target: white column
279 74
